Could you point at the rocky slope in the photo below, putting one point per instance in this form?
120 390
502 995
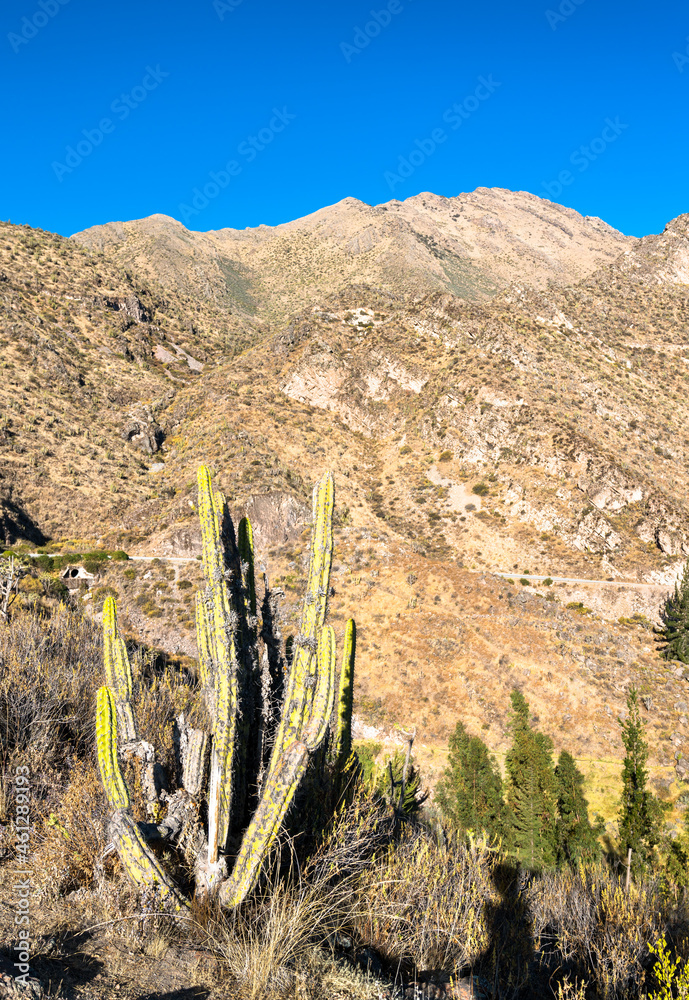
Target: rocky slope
540 430
470 246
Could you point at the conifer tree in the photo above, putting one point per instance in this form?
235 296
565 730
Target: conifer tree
576 838
640 813
470 793
531 795
674 616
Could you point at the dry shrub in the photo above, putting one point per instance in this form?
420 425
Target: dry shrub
158 698
589 923
280 941
426 905
71 840
50 668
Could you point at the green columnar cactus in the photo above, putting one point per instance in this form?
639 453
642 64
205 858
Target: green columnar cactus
284 778
141 864
116 790
217 620
313 613
345 701
238 702
139 861
118 672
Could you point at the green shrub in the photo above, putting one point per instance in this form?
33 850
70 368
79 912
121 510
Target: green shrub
548 582
406 450
578 607
445 456
184 584
120 556
524 582
480 489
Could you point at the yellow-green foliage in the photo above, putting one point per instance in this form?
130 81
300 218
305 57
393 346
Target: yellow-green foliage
432 902
307 707
671 975
313 615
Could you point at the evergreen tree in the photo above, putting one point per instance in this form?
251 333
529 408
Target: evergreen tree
576 838
640 813
531 795
674 616
470 793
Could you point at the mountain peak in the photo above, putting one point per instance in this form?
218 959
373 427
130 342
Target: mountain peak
471 245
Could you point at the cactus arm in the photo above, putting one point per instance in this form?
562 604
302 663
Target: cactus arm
219 620
245 544
312 617
343 741
118 672
224 747
250 757
140 862
324 693
206 664
114 784
265 824
210 527
284 779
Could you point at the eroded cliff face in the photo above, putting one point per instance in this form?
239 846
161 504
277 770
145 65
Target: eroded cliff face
520 390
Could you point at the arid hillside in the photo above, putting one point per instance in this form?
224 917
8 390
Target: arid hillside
470 246
536 429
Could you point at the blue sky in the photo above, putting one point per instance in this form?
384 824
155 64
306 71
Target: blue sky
242 112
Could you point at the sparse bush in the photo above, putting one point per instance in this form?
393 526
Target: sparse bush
481 489
578 607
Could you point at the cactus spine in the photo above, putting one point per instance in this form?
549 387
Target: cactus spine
239 708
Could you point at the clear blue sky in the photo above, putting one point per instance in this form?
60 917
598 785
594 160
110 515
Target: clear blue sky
184 86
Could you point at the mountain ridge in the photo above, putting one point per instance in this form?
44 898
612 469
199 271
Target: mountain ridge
471 245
